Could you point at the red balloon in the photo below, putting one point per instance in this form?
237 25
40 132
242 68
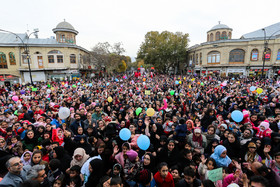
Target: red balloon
279 72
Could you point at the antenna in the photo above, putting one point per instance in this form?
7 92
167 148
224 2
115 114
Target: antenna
27 29
219 22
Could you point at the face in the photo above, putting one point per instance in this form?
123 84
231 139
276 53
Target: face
246 134
277 159
226 134
147 160
163 171
254 118
124 149
197 134
90 168
222 129
211 131
46 136
73 174
116 171
27 156
189 156
41 176
16 166
77 117
80 130
231 138
170 146
30 135
36 158
224 154
57 183
210 165
175 173
78 157
189 179
48 127
258 143
2 143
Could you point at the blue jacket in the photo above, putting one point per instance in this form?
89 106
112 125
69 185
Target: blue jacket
12 180
181 130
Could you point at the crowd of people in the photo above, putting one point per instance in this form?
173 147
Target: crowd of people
191 132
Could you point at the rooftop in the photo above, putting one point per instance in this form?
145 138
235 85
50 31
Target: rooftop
272 30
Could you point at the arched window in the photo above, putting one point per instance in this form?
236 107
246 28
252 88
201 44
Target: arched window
224 35
12 58
217 36
3 61
255 55
211 37
237 55
62 39
268 54
213 57
278 55
55 56
73 59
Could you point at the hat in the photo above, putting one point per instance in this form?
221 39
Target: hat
131 154
197 130
144 177
224 125
264 124
252 145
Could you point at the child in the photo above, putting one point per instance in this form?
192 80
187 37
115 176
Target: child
54 171
205 166
130 167
163 178
220 156
189 178
269 162
74 176
26 158
263 130
59 181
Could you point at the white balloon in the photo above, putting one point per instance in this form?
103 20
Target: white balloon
64 113
49 91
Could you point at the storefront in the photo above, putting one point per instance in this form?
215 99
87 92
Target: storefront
37 76
257 71
7 79
235 71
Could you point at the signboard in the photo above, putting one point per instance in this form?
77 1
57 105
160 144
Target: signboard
147 92
215 174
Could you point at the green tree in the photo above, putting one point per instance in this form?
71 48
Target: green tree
164 50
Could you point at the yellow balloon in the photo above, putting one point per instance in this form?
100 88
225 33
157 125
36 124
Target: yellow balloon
192 79
184 78
259 90
110 99
180 82
52 88
150 112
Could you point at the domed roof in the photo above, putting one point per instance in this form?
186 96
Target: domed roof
220 26
65 27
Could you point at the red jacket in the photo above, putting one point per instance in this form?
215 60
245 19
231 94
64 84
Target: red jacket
167 182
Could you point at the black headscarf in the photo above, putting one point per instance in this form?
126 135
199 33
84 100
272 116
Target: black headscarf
96 174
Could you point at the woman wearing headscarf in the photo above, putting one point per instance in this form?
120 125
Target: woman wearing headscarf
79 157
197 140
30 141
211 134
96 172
208 118
60 154
220 156
169 154
121 156
232 145
26 158
149 163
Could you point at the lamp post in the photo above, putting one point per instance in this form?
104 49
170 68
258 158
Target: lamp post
25 46
265 47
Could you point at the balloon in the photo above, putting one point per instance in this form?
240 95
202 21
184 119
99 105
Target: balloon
66 85
144 83
232 78
201 83
63 113
22 92
15 98
172 92
180 82
144 79
152 68
143 142
117 80
138 111
150 112
125 134
255 91
34 89
176 82
78 83
237 116
224 84
198 83
252 88
192 79
49 85
49 91
90 84
108 84
110 99
74 86
259 90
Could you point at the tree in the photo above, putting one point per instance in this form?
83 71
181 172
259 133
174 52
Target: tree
164 50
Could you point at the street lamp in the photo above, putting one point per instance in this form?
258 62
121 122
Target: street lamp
265 46
25 45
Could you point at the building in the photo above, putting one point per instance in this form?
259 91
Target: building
50 58
225 56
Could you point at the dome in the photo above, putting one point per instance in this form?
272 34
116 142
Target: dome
220 26
65 27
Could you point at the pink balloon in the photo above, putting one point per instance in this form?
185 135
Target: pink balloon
15 98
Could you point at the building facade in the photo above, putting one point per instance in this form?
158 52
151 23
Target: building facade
225 56
50 58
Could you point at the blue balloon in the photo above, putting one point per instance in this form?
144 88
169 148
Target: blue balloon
232 78
252 88
78 83
117 80
143 142
90 84
108 84
237 116
125 134
176 82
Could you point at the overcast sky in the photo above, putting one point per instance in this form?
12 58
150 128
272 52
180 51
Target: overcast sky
128 21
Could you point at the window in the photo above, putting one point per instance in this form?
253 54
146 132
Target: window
237 55
73 59
229 35
196 61
12 58
51 58
3 61
25 58
211 37
207 37
54 52
224 35
200 58
278 55
213 57
62 38
217 36
59 59
254 55
267 54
